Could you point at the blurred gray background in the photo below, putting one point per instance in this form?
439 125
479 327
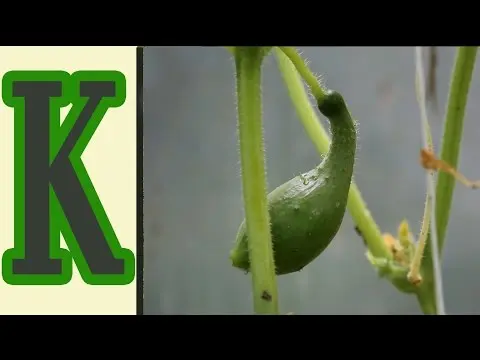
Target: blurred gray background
193 199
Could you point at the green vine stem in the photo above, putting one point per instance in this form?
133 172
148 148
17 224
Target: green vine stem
248 63
457 101
430 182
305 73
450 150
290 64
415 266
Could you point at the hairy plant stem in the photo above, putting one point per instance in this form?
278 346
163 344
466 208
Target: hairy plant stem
290 64
430 182
302 68
248 62
450 149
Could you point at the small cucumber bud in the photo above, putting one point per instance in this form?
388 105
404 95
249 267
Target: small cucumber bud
401 270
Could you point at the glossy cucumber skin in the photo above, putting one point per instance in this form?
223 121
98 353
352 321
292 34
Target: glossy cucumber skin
307 211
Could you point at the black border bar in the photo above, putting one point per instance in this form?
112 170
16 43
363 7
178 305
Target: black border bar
140 239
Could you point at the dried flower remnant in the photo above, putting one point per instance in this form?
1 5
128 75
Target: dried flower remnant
430 162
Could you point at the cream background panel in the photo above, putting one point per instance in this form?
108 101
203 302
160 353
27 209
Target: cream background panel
110 159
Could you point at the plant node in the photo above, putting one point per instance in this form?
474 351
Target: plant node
399 269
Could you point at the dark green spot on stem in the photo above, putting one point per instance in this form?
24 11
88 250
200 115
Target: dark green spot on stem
266 296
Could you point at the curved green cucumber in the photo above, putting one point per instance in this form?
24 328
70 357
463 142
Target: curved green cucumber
307 211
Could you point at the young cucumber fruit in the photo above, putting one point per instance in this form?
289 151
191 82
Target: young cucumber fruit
307 211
